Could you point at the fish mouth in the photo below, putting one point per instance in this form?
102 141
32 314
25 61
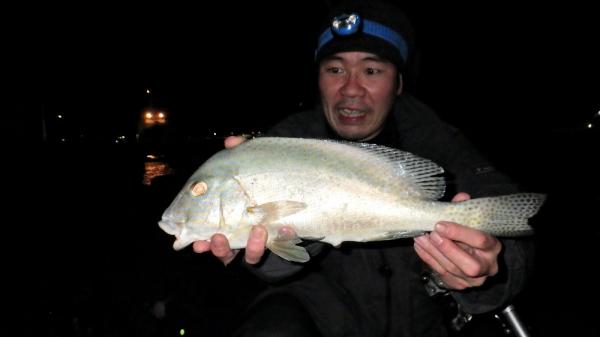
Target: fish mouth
170 226
181 243
177 229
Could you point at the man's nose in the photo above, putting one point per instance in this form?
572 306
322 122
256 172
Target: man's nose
352 86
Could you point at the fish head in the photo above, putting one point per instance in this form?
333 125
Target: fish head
206 205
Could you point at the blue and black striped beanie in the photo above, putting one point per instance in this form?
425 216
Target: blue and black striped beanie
370 26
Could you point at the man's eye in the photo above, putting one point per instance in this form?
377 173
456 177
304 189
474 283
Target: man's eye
334 70
372 71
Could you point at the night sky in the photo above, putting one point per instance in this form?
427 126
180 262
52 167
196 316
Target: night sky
237 66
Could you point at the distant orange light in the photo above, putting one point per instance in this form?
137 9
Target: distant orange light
152 117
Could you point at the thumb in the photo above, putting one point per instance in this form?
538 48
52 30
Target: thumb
461 196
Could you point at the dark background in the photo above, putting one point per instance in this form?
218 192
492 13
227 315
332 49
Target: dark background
83 254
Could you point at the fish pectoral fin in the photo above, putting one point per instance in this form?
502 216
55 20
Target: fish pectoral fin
275 210
289 250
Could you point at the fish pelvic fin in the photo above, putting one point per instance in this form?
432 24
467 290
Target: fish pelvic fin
288 249
283 245
275 210
505 215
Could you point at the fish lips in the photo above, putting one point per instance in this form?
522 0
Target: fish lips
176 228
170 226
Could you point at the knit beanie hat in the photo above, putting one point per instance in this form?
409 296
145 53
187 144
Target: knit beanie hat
369 26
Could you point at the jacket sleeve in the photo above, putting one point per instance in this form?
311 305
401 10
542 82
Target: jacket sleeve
498 291
273 269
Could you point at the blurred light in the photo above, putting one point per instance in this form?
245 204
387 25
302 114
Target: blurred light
151 156
181 332
598 113
152 117
214 133
148 91
59 116
590 125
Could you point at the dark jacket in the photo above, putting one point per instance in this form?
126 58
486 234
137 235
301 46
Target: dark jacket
375 289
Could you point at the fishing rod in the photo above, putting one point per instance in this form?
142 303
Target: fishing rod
436 289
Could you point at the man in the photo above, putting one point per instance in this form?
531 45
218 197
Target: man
375 289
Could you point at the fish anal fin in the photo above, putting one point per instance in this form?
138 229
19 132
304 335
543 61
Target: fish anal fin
395 235
313 238
275 210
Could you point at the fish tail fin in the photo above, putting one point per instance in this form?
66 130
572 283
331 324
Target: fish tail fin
505 215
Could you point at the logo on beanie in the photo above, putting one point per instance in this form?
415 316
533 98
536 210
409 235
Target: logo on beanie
346 24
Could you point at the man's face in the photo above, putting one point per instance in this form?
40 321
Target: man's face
358 90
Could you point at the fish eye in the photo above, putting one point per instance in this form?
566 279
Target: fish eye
198 188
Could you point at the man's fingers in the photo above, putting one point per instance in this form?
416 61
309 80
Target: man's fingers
233 141
220 248
450 281
426 257
286 233
473 250
469 264
201 246
461 196
255 248
472 237
426 242
218 245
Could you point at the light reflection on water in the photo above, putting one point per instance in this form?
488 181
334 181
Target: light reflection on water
153 169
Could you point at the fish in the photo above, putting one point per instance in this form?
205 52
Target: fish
329 191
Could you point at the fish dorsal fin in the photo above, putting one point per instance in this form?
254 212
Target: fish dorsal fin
390 170
420 177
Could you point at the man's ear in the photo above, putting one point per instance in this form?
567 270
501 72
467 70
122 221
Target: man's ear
400 84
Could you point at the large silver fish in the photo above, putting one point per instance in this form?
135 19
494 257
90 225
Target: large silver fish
328 191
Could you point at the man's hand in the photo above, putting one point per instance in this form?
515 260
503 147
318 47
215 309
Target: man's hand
218 244
233 141
462 257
